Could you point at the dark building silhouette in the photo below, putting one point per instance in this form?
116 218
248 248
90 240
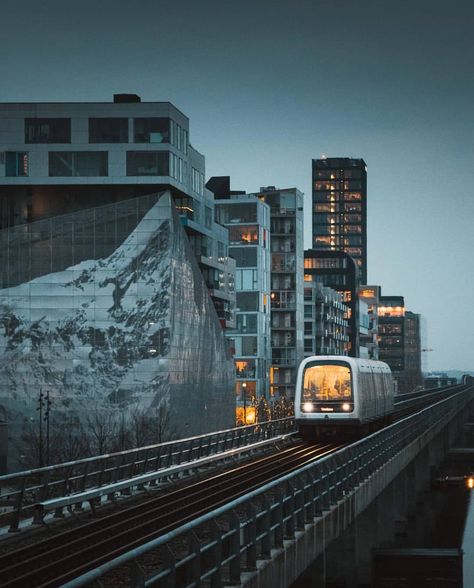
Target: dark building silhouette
340 208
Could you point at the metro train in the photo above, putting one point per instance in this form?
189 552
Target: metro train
342 397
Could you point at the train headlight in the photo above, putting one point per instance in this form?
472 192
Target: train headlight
346 407
308 407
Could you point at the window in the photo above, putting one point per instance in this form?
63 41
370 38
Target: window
177 168
208 217
353 250
16 164
197 179
247 301
248 346
108 130
78 163
317 263
327 174
353 240
47 130
244 256
352 218
151 130
352 185
352 196
352 229
246 323
243 234
179 137
245 369
352 207
352 174
326 382
246 279
147 163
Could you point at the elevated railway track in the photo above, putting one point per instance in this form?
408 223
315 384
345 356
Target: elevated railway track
59 559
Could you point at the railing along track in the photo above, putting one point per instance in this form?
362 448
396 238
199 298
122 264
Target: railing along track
61 558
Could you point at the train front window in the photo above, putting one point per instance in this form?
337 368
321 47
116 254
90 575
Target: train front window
327 383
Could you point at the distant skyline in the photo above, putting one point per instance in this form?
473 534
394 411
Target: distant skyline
270 85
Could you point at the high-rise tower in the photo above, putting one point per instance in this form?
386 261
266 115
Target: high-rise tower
340 208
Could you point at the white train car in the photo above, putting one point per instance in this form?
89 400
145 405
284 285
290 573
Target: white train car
340 396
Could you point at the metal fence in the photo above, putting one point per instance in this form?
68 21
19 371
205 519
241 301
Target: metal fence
218 547
21 492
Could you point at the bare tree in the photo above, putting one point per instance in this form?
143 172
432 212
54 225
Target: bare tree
69 441
101 430
149 426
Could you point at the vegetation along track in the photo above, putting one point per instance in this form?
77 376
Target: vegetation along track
59 559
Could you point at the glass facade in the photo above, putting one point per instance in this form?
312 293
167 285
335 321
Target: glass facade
106 309
340 208
286 296
251 345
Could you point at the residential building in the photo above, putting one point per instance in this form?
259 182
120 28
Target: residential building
326 327
412 376
340 208
371 296
391 314
286 298
286 288
248 221
59 158
339 271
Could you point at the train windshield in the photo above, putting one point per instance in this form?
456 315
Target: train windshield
326 382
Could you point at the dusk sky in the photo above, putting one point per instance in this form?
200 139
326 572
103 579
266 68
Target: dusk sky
268 85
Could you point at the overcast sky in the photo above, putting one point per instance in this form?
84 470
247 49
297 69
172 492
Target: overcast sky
268 85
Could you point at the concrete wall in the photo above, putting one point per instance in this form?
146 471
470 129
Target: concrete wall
418 462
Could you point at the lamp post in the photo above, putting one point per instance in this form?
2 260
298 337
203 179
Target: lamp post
244 393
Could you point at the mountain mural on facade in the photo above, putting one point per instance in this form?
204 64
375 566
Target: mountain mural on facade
134 329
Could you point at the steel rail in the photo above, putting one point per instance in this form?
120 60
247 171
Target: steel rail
109 540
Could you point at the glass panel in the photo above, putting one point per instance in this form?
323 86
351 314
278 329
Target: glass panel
147 163
243 234
151 130
247 300
326 382
244 256
47 130
108 130
246 323
78 163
